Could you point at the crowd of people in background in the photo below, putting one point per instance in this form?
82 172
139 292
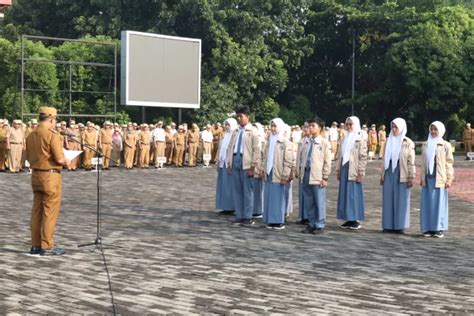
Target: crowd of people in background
155 145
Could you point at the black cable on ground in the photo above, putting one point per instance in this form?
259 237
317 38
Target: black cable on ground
108 277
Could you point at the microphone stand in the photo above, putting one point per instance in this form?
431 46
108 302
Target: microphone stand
98 155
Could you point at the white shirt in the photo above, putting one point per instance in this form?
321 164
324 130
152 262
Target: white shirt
296 136
241 130
207 136
365 135
173 131
158 135
333 134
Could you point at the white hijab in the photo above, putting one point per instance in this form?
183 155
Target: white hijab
260 131
272 142
350 138
432 142
394 144
225 141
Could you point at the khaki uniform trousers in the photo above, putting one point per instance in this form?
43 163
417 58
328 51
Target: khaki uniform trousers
192 151
3 155
382 148
179 155
373 148
144 156
129 154
169 153
467 145
159 151
107 152
14 157
215 147
207 150
46 205
88 154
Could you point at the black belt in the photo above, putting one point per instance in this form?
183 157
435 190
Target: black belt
49 171
16 143
237 154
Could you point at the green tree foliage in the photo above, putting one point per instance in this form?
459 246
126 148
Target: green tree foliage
293 58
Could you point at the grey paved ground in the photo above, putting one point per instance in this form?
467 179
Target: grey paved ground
169 252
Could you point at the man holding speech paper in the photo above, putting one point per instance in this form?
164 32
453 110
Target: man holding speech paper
46 157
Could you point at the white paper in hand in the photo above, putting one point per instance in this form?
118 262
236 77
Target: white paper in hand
71 154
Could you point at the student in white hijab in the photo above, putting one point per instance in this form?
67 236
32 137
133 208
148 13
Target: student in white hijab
350 170
257 181
277 166
397 175
437 175
224 198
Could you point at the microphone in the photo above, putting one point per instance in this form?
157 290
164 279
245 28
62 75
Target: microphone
64 133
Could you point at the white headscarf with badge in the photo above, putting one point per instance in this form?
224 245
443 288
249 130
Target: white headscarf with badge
280 125
226 140
350 138
432 142
394 144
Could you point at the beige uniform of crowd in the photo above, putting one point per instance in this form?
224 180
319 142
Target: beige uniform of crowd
145 145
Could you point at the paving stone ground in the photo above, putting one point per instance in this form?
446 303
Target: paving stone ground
169 252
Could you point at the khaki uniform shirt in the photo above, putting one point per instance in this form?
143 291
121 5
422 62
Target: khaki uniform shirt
105 136
468 133
90 138
44 149
16 136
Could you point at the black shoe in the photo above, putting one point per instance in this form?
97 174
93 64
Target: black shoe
279 226
257 216
308 230
56 251
399 231
237 222
438 234
389 231
226 212
347 224
317 231
427 234
35 250
247 222
303 222
355 225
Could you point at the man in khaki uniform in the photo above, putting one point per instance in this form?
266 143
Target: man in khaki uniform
169 145
193 143
73 145
373 139
159 141
468 138
15 145
46 157
217 135
105 143
144 144
3 145
179 145
207 140
382 140
129 146
89 138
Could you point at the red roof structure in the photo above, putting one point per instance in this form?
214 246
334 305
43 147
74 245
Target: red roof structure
4 4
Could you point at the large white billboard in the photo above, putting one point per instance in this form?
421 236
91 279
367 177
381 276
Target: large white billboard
160 70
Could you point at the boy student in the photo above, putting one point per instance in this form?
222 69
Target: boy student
314 173
243 155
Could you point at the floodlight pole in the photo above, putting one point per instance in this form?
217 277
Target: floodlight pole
22 76
353 70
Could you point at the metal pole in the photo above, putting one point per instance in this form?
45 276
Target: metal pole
115 83
70 91
22 76
179 115
143 114
353 69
